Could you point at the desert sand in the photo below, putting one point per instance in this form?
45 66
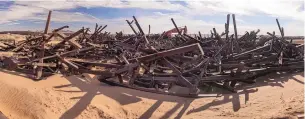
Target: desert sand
279 95
15 37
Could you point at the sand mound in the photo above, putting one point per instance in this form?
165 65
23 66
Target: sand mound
15 37
52 98
274 96
21 103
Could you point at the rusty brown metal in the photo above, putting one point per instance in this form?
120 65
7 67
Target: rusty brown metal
155 62
39 69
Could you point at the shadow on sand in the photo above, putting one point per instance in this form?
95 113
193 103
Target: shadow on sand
124 96
24 74
275 79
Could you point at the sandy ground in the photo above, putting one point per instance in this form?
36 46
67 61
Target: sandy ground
12 37
274 96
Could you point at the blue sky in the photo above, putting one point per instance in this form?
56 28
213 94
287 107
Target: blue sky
196 15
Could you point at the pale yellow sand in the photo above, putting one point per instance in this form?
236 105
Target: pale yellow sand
273 96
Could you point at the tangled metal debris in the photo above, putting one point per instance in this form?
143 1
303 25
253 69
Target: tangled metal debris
155 62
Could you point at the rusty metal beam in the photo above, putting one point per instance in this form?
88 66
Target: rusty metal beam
66 53
179 32
235 34
138 25
70 64
44 64
130 24
170 52
47 23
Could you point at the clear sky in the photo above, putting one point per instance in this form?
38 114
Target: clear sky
196 15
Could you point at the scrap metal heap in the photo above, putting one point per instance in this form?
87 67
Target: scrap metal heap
152 63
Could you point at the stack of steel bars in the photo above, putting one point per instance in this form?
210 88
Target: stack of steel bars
154 62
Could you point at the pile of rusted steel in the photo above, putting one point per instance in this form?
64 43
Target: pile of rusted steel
156 63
